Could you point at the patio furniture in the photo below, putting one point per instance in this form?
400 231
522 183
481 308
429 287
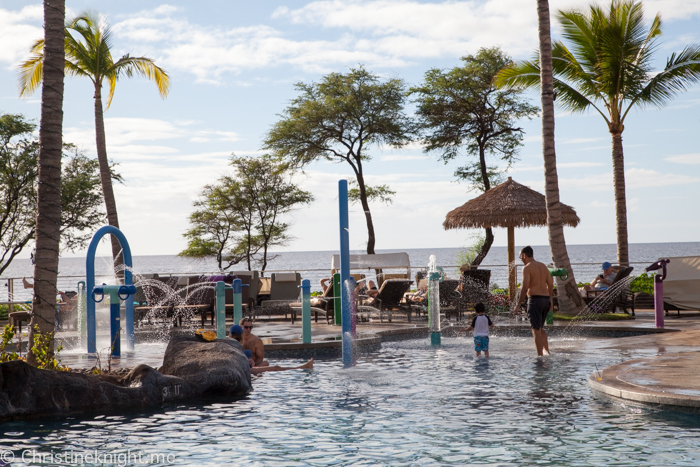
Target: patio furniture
614 297
388 299
284 289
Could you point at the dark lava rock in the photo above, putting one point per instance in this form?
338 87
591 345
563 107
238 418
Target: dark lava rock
212 368
194 370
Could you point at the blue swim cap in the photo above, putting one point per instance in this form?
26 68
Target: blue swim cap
236 329
606 265
248 353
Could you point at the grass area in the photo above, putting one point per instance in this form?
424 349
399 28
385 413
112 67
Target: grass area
593 317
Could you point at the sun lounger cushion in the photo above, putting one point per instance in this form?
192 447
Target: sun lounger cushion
286 277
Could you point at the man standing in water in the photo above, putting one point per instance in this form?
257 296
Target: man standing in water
537 287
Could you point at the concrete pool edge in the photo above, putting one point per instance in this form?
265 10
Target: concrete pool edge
662 381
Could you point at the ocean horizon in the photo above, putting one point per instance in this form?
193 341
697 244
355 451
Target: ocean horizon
315 265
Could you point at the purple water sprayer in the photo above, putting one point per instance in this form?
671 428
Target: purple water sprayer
659 290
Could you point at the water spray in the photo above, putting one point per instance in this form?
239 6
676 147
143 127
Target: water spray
435 276
116 293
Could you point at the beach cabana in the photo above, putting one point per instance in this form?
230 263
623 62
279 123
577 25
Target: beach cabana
508 205
378 261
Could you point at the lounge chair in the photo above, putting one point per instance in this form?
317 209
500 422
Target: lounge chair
253 288
621 297
388 299
323 305
284 289
381 277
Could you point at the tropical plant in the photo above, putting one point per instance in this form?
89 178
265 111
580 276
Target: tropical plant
338 120
462 113
240 218
42 349
48 219
469 254
381 193
8 333
88 44
82 205
607 65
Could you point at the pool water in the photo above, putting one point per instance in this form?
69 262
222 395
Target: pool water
406 404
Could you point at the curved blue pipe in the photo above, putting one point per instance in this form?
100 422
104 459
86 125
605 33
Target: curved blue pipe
90 280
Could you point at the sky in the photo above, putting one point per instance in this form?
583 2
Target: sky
233 66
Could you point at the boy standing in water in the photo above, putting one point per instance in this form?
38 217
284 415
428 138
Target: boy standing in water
481 324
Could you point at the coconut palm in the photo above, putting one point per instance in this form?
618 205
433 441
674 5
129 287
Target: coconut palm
608 66
48 221
88 40
567 292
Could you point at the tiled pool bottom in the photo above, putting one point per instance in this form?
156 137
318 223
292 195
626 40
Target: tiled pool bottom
407 404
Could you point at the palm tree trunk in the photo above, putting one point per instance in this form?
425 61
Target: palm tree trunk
567 292
106 179
48 220
620 199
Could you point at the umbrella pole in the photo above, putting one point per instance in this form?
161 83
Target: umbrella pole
512 270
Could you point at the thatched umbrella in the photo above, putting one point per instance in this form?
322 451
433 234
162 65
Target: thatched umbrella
509 205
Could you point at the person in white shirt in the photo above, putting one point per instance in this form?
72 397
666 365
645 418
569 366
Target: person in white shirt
480 325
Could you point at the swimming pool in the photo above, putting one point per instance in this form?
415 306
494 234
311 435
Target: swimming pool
406 404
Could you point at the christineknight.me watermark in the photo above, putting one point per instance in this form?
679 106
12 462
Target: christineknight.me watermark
120 458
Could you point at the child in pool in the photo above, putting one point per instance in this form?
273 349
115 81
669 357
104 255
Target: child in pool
480 325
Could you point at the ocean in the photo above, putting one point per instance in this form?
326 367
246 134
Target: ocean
315 265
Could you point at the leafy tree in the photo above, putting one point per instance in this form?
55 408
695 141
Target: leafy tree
462 112
381 193
88 44
608 66
240 218
81 195
339 119
48 219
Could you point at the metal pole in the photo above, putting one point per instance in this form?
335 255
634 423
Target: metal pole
658 301
305 311
114 324
345 270
220 310
90 286
237 301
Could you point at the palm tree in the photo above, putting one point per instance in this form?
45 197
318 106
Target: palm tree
48 220
88 40
608 67
567 292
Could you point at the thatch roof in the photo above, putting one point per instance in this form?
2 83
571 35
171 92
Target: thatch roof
509 204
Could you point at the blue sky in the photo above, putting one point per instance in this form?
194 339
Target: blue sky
233 65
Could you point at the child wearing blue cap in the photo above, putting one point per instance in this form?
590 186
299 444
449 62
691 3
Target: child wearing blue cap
480 325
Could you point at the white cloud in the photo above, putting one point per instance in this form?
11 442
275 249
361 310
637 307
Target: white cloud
18 31
634 179
691 159
402 157
577 165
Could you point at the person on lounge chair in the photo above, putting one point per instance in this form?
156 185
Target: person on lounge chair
604 280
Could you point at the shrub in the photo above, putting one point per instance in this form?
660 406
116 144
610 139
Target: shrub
643 283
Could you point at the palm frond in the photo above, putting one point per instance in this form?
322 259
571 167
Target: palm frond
145 67
31 70
525 74
682 70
